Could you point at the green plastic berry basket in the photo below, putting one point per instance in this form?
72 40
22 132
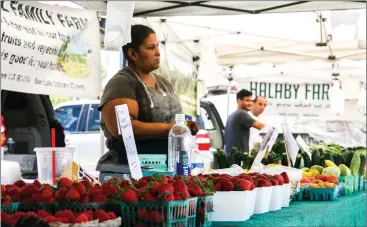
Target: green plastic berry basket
204 212
157 161
322 194
347 183
360 183
356 183
158 214
10 208
301 194
35 207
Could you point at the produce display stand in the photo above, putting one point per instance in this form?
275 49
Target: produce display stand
349 210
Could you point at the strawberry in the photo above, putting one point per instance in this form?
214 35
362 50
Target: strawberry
112 215
62 220
8 187
28 190
42 214
3 189
30 214
218 187
49 219
279 178
19 183
61 194
153 185
38 184
5 200
168 197
147 178
13 191
178 196
227 185
143 214
262 183
125 183
180 187
129 196
243 185
141 183
89 214
95 190
73 195
80 188
146 196
15 198
102 216
245 177
64 182
165 188
156 217
98 198
114 181
285 177
81 218
37 197
274 182
46 195
162 179
195 190
85 199
66 214
109 190
233 180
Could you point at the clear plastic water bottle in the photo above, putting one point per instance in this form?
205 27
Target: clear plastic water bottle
179 147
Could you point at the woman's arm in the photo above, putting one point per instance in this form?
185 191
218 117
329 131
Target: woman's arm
141 130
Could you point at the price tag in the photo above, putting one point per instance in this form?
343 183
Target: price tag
125 129
266 145
303 146
291 145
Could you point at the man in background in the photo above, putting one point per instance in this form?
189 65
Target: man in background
237 132
258 106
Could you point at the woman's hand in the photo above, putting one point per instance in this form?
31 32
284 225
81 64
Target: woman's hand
193 126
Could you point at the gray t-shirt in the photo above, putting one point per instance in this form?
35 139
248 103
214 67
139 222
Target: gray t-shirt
125 84
237 132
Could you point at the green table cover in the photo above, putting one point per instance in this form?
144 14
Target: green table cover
349 210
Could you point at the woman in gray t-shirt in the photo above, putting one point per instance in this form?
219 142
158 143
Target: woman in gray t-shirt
150 98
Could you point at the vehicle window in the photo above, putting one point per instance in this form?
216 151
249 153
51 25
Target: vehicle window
68 116
205 119
94 118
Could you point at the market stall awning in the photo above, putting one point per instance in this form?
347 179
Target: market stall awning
196 8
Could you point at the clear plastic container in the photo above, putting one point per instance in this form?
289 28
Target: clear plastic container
64 163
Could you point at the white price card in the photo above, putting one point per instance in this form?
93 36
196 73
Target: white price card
303 146
266 145
291 145
125 129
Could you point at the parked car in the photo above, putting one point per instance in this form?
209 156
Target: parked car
81 119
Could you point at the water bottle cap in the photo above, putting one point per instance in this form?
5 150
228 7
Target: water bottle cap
180 117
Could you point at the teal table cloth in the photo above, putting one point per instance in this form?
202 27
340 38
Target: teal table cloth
349 210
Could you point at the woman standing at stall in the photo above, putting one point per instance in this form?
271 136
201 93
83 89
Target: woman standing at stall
150 98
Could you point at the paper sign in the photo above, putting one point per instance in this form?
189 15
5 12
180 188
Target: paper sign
266 145
126 130
303 146
291 145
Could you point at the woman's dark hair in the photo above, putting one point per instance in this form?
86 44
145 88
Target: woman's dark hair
139 33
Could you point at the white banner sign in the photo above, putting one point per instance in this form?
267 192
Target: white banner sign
297 100
49 50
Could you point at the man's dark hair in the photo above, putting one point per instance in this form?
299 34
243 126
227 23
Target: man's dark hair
243 93
139 33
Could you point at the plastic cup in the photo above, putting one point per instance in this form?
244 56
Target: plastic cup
64 163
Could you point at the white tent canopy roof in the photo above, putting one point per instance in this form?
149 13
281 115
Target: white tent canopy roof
200 8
